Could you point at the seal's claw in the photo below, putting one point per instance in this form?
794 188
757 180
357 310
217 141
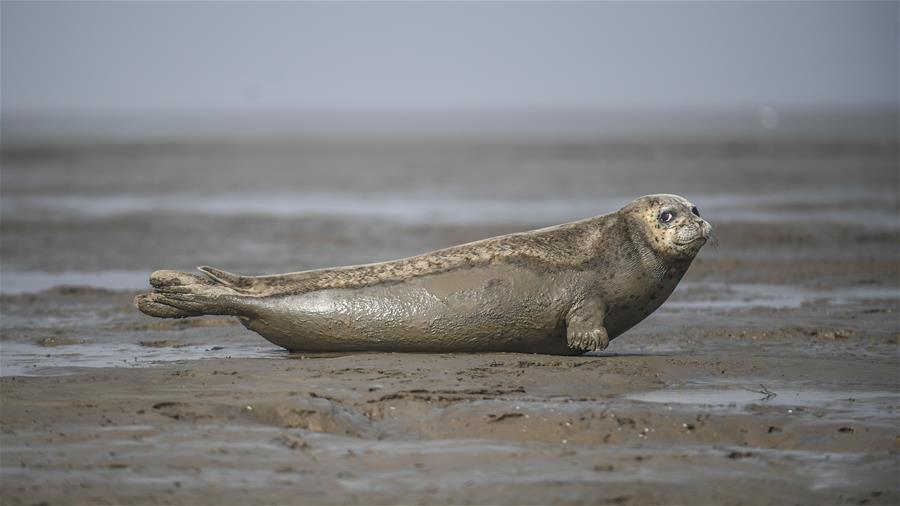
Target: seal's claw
599 339
591 340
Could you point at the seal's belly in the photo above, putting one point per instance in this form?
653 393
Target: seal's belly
499 308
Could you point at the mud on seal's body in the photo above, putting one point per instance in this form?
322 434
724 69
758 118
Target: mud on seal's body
565 289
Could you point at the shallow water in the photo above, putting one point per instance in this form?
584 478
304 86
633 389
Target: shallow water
745 396
870 209
741 395
26 359
726 296
15 281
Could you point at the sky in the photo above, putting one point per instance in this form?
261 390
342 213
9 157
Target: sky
251 56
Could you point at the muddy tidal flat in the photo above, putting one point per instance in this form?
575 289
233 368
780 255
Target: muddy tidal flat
771 376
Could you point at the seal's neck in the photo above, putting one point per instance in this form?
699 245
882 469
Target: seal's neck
650 260
663 271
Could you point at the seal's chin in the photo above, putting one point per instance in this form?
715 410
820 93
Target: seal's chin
689 248
698 241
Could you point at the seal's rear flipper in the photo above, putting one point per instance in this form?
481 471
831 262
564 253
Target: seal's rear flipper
181 295
223 277
154 304
174 280
194 300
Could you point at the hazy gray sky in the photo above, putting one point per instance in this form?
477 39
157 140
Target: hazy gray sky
273 56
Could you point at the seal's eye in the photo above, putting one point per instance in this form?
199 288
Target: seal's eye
666 216
695 211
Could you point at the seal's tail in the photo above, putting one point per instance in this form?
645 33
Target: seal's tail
181 295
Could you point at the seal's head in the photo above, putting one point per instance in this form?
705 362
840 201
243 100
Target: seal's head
669 224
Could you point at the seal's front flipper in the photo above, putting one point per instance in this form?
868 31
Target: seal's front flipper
584 326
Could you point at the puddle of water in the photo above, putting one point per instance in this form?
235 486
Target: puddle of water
870 406
746 396
26 359
14 282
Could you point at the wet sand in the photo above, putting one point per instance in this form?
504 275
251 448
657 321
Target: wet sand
771 375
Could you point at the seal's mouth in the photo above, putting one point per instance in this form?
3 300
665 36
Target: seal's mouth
692 241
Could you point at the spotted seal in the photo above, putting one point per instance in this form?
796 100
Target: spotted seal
566 289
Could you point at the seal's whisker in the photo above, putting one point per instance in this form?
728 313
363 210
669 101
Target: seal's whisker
713 238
